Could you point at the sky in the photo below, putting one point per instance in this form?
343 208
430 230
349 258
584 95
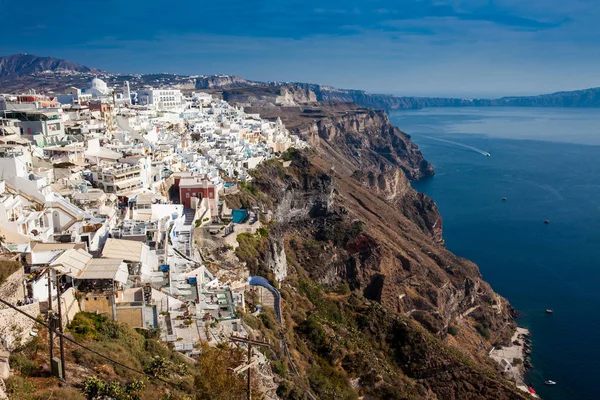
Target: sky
469 48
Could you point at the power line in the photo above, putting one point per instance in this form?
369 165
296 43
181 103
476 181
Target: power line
94 351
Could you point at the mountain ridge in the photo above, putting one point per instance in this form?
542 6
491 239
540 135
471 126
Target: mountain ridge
18 65
22 71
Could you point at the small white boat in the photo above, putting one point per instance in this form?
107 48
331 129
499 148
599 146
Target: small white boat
550 383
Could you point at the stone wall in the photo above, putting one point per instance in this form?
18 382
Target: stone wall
70 306
12 290
98 303
15 327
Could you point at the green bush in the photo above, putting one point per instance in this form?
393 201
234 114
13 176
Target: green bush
483 331
19 386
22 364
86 325
262 232
280 368
343 289
453 330
287 390
249 187
290 154
96 388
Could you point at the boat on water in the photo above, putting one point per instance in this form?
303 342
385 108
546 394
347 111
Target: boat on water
547 221
550 383
549 311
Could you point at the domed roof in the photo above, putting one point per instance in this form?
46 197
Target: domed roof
98 83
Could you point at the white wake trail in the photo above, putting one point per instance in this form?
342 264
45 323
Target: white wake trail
464 146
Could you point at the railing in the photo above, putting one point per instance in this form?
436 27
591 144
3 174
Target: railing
117 171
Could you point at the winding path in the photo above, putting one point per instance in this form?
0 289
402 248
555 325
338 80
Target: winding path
260 281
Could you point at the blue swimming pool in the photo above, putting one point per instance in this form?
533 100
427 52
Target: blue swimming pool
239 216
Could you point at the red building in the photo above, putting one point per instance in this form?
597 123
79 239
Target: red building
192 187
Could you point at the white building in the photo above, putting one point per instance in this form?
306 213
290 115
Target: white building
161 99
97 88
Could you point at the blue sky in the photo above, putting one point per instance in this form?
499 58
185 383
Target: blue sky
416 47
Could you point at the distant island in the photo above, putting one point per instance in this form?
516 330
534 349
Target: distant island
47 74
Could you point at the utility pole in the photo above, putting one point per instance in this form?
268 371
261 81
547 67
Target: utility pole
60 328
248 366
50 321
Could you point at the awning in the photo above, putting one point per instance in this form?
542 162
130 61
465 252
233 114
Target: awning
105 268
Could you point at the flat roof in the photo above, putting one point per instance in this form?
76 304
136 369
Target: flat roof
72 262
123 249
105 268
38 246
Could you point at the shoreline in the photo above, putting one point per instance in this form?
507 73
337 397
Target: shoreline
513 359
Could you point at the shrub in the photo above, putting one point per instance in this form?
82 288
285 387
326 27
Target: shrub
483 331
249 187
453 330
262 232
96 388
280 368
290 154
287 390
17 385
343 289
85 325
22 364
517 361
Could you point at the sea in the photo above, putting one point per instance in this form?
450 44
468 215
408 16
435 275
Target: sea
546 162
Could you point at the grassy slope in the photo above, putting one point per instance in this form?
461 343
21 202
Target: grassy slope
209 378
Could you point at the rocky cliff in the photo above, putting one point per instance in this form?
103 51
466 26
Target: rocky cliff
269 96
370 292
576 98
223 82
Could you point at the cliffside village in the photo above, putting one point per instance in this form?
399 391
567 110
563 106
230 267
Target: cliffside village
102 192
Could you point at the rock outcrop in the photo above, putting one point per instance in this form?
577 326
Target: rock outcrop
380 238
223 82
270 96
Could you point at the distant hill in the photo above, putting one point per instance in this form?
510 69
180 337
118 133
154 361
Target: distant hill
20 72
19 65
576 98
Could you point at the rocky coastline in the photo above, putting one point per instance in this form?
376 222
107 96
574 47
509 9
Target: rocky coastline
514 359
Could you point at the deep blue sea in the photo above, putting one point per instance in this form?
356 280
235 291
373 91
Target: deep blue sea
546 162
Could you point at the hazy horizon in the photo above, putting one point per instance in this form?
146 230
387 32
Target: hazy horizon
466 47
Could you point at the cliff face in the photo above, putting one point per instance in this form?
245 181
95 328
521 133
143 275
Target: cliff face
223 82
288 95
345 215
340 227
362 138
576 98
